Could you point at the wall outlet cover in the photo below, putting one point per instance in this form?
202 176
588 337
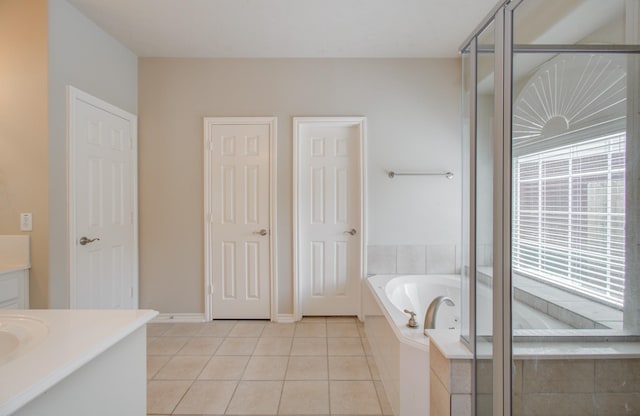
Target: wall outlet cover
26 221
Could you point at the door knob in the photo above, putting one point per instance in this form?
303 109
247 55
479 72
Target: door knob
351 231
84 240
261 232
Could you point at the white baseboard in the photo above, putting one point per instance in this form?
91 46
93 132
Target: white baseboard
179 317
199 317
285 319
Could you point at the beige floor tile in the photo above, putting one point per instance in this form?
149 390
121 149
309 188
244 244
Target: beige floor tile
307 368
162 396
341 319
155 363
166 345
155 330
224 368
366 346
342 330
385 406
266 368
304 398
247 329
375 374
345 346
353 398
256 398
201 346
361 332
273 346
279 330
309 346
186 367
183 330
206 397
313 320
216 329
349 368
311 330
237 346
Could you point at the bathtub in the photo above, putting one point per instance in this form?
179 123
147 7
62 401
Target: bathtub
401 353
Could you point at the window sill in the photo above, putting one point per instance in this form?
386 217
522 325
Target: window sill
572 309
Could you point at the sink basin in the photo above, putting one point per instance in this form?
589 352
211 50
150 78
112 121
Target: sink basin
19 333
8 343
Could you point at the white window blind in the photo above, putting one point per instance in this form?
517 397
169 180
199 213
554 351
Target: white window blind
568 222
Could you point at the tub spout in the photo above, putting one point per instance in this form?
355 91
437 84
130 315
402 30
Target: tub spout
432 311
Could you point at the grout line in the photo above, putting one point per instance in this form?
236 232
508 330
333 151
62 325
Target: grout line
328 387
281 393
226 409
181 397
161 367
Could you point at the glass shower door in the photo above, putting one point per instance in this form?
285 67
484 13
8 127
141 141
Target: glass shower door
554 208
574 208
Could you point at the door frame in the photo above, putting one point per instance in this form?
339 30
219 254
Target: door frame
298 123
272 122
74 95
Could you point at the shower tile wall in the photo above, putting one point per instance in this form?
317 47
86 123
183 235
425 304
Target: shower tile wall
413 259
382 259
568 387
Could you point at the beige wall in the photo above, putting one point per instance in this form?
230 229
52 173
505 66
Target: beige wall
23 131
413 112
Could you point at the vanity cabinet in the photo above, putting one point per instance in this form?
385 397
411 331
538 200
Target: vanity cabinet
74 362
14 289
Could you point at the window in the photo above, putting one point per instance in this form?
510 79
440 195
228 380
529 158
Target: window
569 217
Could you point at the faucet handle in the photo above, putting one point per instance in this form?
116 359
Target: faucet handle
412 320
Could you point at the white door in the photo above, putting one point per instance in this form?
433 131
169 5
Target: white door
103 238
238 200
329 207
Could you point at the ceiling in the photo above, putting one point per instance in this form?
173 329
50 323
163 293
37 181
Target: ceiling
288 28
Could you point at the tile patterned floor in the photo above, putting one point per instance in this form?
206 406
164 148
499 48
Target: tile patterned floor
319 366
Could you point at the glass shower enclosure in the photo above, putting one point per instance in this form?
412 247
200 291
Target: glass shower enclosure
551 267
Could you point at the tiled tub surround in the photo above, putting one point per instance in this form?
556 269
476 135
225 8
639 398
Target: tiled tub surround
318 366
413 259
549 378
401 352
450 388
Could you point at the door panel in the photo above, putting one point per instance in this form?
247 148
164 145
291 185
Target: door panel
103 188
329 206
239 201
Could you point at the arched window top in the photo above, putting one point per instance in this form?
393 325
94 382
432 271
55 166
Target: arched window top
571 98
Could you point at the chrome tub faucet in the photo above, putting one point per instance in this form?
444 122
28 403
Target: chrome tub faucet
432 311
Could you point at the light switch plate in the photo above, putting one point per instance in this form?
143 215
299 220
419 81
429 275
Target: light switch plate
26 221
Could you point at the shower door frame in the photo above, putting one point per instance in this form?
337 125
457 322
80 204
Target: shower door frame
502 16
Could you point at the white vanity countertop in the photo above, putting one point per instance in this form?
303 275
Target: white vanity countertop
75 337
